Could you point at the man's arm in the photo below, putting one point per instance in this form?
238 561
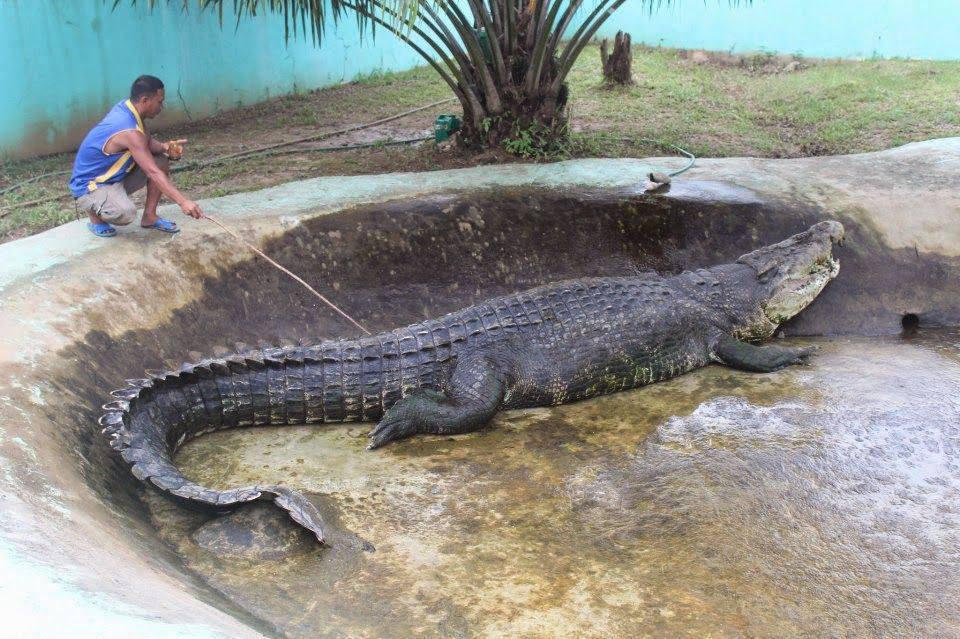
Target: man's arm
139 146
156 146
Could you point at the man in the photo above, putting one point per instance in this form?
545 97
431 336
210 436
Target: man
119 157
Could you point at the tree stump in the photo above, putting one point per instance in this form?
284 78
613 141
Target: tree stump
616 65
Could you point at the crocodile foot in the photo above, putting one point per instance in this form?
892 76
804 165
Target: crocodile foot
408 417
477 385
758 359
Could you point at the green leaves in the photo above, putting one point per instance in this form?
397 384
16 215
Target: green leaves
499 57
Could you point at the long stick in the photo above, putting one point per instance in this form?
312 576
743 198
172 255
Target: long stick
309 288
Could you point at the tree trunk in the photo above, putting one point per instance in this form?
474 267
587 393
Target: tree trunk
616 65
526 125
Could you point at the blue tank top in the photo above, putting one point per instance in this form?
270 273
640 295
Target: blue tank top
94 167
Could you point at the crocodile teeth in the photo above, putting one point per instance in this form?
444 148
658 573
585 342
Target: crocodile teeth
125 393
111 421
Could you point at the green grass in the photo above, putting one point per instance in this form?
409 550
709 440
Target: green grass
715 105
721 108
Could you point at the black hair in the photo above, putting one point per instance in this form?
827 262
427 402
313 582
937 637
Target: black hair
145 85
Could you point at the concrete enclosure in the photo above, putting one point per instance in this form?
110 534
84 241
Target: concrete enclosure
80 314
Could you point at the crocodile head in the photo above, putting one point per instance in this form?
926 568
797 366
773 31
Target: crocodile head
792 273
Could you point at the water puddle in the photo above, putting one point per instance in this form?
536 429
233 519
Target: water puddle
818 501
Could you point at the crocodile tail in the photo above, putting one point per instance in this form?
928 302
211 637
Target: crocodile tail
150 418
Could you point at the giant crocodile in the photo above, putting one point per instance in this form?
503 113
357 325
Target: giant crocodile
550 345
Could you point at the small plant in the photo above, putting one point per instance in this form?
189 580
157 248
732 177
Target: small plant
539 142
525 143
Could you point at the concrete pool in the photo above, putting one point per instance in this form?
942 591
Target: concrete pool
815 500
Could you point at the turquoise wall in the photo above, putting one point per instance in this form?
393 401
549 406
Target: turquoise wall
816 28
63 63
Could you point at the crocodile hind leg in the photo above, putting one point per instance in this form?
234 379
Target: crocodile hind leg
758 359
477 385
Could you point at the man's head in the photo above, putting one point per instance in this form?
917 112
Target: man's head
147 96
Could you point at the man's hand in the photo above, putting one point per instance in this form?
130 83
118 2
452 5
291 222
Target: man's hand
174 148
137 143
192 209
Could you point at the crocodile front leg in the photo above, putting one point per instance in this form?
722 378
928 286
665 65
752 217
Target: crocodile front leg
476 389
758 359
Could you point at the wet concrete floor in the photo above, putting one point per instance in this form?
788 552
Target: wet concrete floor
819 501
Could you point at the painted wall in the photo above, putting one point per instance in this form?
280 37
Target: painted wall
63 63
816 28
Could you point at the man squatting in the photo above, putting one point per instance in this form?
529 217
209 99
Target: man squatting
119 157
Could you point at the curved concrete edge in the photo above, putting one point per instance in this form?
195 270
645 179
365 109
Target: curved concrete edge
59 549
39 253
30 588
894 176
908 194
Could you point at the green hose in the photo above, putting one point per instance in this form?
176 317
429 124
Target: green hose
322 149
252 153
217 161
661 144
676 148
32 180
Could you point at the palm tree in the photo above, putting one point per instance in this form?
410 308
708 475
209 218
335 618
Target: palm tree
505 60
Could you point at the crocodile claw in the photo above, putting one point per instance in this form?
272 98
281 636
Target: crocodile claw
390 428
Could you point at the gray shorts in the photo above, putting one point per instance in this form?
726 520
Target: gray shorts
112 201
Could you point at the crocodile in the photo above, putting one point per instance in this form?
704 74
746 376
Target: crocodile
558 343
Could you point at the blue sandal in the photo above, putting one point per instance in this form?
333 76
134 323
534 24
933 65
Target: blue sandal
101 230
164 225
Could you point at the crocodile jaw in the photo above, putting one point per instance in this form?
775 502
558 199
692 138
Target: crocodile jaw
795 294
792 273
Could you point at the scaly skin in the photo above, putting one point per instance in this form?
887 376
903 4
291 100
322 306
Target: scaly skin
550 345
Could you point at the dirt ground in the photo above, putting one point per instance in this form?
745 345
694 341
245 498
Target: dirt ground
713 104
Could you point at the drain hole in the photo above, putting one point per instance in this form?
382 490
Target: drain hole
910 322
